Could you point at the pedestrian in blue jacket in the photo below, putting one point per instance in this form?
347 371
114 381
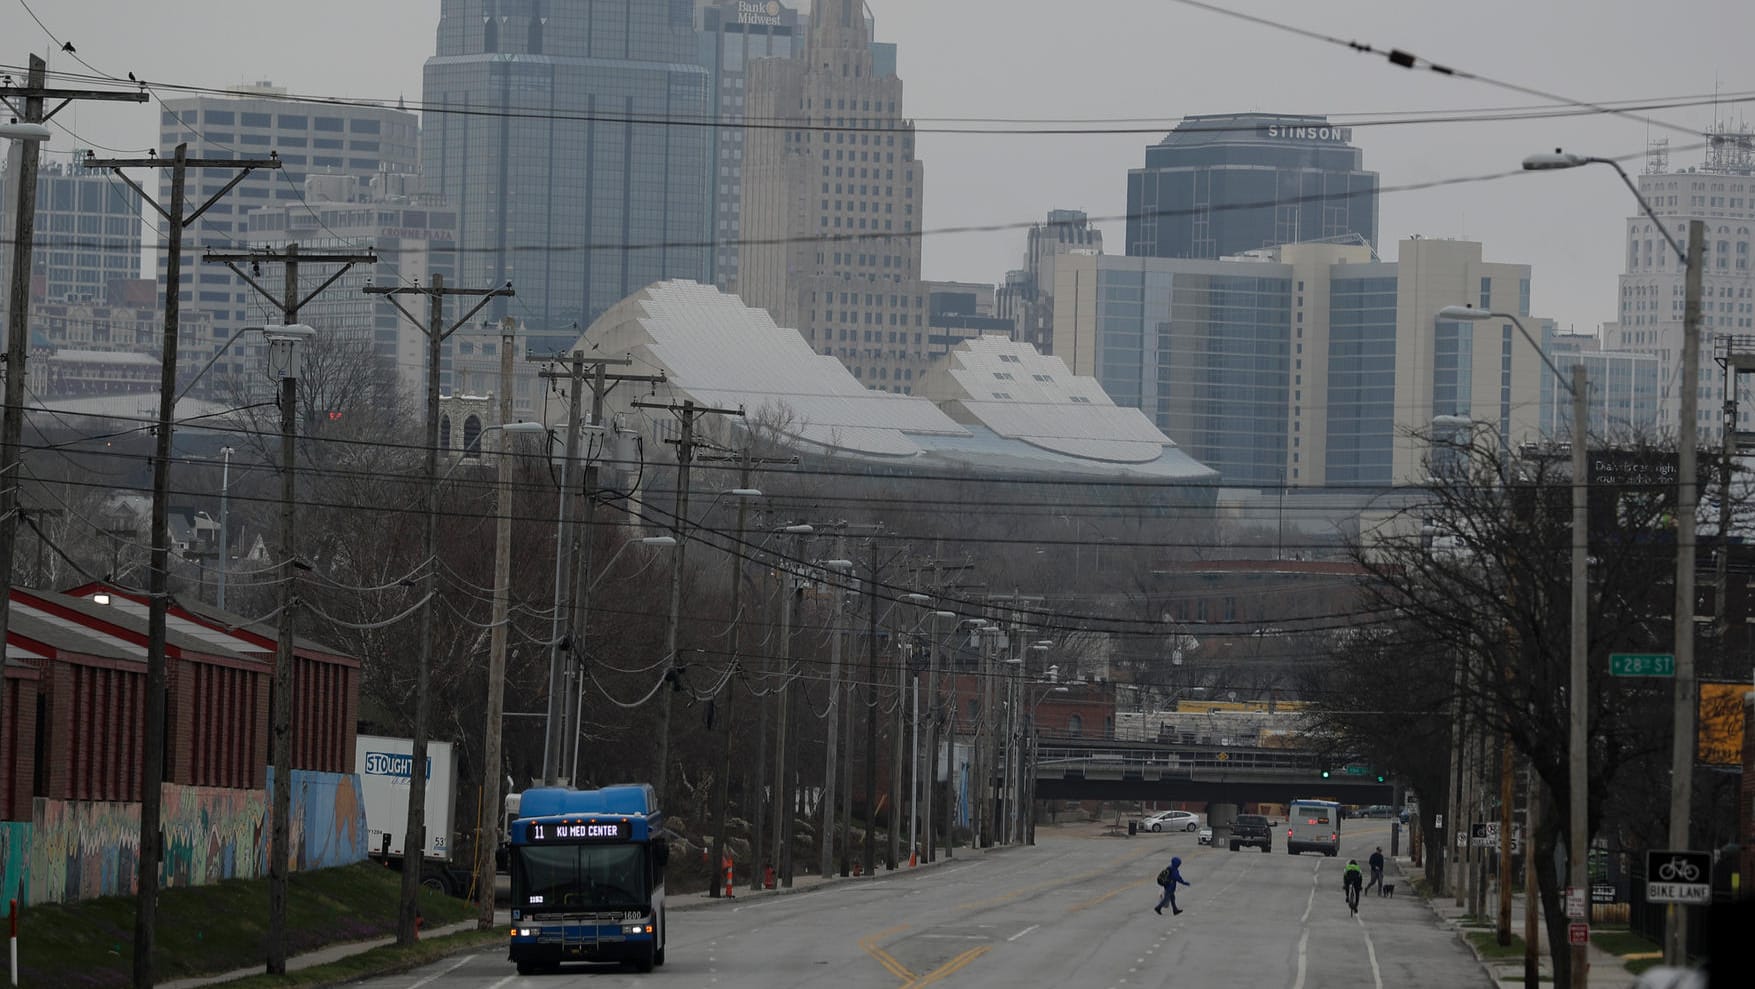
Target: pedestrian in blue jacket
1172 876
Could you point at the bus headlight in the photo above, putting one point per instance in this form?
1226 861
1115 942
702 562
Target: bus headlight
637 929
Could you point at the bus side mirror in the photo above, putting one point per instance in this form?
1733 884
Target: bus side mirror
661 854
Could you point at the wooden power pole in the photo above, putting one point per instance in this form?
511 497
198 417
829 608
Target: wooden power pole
158 588
280 702
414 835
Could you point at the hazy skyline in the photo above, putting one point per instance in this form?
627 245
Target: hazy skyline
1118 65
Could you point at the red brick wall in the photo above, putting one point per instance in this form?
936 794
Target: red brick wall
325 702
96 723
219 725
18 745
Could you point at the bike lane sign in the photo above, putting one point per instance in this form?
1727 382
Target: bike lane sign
1678 877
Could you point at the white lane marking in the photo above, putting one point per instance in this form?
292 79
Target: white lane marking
502 982
1371 952
1309 904
1303 944
1023 932
459 963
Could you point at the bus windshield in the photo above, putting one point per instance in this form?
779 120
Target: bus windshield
580 877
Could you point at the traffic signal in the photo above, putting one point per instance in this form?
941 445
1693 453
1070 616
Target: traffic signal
1380 777
1325 774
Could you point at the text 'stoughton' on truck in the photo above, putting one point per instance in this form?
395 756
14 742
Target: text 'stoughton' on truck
384 766
588 877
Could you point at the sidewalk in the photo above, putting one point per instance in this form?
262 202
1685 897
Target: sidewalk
1606 970
332 953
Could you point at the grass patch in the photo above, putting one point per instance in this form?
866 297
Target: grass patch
1621 941
378 961
1639 965
1487 943
202 930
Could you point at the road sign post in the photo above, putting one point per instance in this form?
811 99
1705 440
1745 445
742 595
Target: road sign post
1575 903
1642 664
1678 877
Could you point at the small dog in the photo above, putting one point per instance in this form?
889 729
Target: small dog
1389 889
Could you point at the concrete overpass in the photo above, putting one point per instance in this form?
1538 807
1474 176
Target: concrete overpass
1101 769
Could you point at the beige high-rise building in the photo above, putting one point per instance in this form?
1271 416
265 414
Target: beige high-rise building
832 202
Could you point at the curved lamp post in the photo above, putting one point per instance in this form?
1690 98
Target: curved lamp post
1687 495
1578 685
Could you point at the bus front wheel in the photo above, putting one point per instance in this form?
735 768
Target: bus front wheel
644 961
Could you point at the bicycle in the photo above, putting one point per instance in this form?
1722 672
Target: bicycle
1353 898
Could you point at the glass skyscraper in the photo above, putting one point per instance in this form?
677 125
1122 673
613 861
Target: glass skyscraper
734 32
568 136
1223 184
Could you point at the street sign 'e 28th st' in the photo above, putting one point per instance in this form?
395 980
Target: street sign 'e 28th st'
1642 664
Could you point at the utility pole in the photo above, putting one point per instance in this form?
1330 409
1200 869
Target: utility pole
896 762
573 546
722 787
871 695
1682 740
414 836
280 704
827 838
785 759
485 866
26 104
158 585
687 414
225 484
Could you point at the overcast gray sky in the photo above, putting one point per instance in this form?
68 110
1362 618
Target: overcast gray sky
1098 60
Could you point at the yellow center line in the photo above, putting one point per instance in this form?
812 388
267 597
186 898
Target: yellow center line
950 967
1075 908
884 958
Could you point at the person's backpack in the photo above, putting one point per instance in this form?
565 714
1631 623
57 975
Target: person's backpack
1164 877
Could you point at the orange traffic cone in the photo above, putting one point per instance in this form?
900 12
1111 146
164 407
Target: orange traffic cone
913 857
768 878
728 892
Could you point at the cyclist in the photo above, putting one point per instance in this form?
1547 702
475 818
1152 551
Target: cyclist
1351 881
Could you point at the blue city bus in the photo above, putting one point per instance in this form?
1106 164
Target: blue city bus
587 877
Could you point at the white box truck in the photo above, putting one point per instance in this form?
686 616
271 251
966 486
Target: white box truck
384 766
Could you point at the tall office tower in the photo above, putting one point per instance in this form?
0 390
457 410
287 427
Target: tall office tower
1222 184
832 202
1624 388
1312 364
733 33
568 138
1027 297
354 142
1721 192
88 232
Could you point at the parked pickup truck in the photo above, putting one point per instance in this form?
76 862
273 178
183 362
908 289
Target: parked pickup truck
1252 829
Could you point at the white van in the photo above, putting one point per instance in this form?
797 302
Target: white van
1313 826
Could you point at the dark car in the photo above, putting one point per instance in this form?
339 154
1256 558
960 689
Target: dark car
1252 829
1377 810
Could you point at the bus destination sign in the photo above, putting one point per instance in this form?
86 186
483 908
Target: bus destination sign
548 832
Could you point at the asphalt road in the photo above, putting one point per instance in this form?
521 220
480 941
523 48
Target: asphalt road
1074 910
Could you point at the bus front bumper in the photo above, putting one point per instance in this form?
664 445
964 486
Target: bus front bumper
558 942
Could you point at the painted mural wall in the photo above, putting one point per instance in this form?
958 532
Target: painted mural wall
15 839
76 850
328 820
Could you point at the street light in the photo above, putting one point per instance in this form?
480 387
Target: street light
1578 686
1687 496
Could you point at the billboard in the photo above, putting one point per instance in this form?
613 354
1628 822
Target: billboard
1720 738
